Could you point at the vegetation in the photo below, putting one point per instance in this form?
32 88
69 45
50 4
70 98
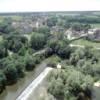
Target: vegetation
85 42
20 53
69 83
76 78
38 41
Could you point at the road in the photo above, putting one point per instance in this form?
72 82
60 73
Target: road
39 52
81 46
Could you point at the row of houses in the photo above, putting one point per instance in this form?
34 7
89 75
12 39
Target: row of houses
27 25
93 34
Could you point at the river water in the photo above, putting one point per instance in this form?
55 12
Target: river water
12 92
96 93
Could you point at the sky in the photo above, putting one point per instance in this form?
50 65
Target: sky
48 5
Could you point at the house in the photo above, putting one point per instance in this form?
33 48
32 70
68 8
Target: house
94 34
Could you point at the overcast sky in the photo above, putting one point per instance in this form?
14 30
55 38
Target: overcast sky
48 5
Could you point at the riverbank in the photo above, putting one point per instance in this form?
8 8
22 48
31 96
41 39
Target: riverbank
12 92
27 93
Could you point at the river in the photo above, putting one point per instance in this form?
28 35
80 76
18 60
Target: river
12 92
96 93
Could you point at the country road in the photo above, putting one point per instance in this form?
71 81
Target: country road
81 46
39 52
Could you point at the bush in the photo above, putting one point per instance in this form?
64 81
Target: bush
20 66
53 61
3 51
11 74
29 63
48 52
56 90
69 84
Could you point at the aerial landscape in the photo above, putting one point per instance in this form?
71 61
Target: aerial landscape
50 55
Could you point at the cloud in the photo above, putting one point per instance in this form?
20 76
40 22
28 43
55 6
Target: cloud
48 5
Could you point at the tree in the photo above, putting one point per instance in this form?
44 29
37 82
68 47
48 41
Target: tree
80 27
64 52
67 25
88 52
53 61
3 51
51 21
77 55
56 88
74 59
87 68
2 81
77 27
44 30
48 52
60 47
22 51
11 74
20 67
15 43
38 41
29 63
52 44
70 84
5 26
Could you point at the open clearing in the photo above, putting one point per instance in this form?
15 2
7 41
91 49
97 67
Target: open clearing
86 43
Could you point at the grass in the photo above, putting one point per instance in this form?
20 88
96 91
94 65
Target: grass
1 38
1 19
86 43
16 18
97 25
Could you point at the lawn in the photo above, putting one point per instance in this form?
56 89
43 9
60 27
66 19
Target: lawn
1 19
16 18
1 38
86 43
97 25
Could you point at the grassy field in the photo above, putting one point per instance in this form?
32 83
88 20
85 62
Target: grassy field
97 25
1 38
86 43
16 18
1 19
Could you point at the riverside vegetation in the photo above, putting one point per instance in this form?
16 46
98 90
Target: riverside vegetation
80 66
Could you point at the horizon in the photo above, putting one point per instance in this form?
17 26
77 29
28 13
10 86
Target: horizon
48 11
11 6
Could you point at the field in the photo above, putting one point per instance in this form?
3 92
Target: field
86 43
16 18
97 25
1 19
1 38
